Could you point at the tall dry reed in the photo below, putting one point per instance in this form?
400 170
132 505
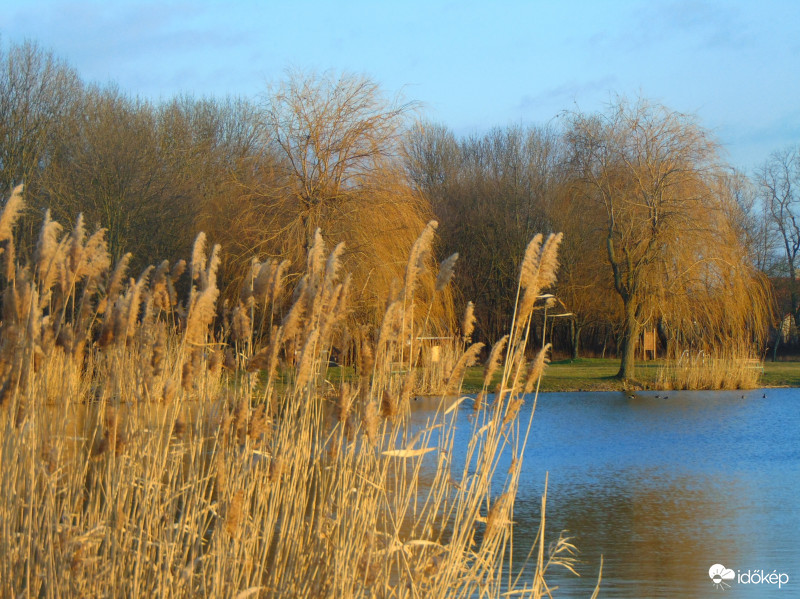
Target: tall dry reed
139 460
734 368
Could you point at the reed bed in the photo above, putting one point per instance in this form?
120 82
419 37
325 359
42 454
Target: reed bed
157 444
737 368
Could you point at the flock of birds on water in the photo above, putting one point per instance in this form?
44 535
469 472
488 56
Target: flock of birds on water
634 396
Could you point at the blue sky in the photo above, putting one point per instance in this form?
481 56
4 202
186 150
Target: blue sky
472 65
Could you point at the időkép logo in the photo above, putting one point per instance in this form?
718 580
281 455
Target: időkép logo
723 577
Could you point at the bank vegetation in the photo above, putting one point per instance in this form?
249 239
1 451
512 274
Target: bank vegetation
660 233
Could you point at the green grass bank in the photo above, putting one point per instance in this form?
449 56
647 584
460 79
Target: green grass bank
598 374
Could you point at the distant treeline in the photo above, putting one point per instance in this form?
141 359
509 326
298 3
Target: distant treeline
658 231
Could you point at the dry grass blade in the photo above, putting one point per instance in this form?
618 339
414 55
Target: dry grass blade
596 592
408 453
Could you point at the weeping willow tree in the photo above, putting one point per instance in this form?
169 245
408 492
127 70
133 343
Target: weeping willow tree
334 149
667 224
712 298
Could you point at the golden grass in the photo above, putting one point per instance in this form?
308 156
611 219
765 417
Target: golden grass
137 462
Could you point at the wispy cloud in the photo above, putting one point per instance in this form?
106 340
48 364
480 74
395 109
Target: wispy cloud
706 25
565 94
750 145
132 39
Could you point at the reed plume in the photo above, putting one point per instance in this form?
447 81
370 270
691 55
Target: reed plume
316 255
530 262
468 321
305 367
446 271
371 422
260 424
497 517
187 374
11 211
241 325
390 327
389 405
538 271
198 262
536 369
234 513
417 256
49 252
8 217
229 361
160 288
333 264
291 322
366 358
493 363
94 258
130 308
259 360
178 269
76 241
344 406
159 351
115 282
203 308
277 283
467 359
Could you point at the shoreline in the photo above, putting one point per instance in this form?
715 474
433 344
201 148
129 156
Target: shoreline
599 374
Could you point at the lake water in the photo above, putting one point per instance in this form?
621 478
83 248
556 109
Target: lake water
665 488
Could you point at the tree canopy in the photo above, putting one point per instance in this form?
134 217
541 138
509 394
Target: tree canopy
654 178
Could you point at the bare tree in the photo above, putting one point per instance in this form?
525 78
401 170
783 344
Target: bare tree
490 195
778 181
112 164
338 143
36 90
672 250
751 219
218 161
335 134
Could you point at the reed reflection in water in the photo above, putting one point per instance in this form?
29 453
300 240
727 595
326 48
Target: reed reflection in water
664 488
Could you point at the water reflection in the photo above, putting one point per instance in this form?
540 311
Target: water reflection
656 532
663 489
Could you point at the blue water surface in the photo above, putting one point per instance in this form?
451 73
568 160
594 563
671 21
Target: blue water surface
664 488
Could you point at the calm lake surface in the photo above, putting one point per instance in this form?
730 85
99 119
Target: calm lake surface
665 488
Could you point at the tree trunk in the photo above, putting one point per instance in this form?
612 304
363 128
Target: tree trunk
630 335
778 335
605 342
793 299
575 330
